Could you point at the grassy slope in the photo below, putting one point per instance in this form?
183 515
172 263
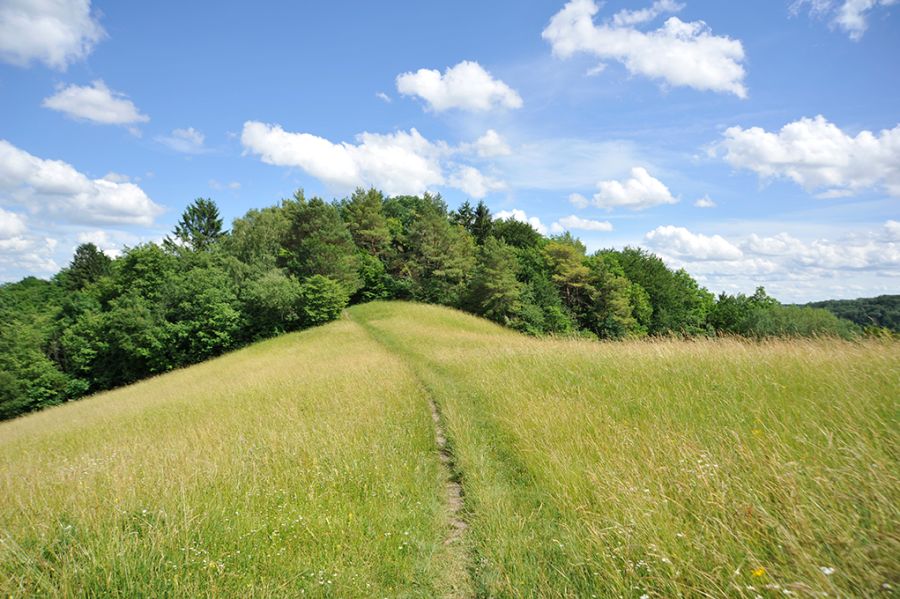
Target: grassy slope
622 469
700 468
301 465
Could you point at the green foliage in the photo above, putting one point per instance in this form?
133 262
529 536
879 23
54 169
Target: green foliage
516 233
256 238
319 243
87 266
495 291
321 300
759 315
881 311
482 224
679 304
272 305
364 215
464 216
102 323
29 378
199 228
437 258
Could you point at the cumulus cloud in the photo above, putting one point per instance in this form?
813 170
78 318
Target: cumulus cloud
626 18
575 223
678 53
23 255
817 154
403 162
781 256
383 97
55 32
849 15
11 224
639 192
705 202
680 242
791 267
186 141
466 86
96 103
110 242
892 230
491 144
578 200
471 181
522 217
57 188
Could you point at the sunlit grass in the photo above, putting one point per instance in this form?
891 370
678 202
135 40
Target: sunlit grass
307 465
665 468
303 465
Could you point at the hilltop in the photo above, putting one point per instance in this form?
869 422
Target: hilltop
309 464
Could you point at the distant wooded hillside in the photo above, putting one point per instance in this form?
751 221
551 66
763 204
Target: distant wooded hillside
881 311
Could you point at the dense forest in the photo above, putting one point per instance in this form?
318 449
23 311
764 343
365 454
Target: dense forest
101 322
881 312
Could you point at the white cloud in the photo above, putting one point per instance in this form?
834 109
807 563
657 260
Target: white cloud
96 103
26 255
818 155
563 164
471 181
680 242
219 186
636 193
117 177
55 32
679 53
466 86
626 18
522 217
11 224
55 187
383 97
853 264
111 242
705 202
892 229
849 15
868 252
575 223
578 200
491 144
186 141
397 163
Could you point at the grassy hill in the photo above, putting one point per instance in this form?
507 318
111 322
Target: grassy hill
308 465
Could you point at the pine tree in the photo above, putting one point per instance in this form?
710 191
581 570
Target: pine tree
481 227
199 228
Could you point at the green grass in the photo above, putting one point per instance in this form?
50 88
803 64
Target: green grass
307 465
664 468
302 465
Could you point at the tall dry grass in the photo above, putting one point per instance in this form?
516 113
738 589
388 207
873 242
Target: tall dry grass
665 468
302 465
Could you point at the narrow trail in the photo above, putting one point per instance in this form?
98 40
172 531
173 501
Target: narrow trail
454 542
454 490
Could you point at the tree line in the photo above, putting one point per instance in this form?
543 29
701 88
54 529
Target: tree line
101 322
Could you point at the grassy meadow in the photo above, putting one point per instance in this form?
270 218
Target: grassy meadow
304 465
664 468
307 465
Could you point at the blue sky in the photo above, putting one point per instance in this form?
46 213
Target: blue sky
611 120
